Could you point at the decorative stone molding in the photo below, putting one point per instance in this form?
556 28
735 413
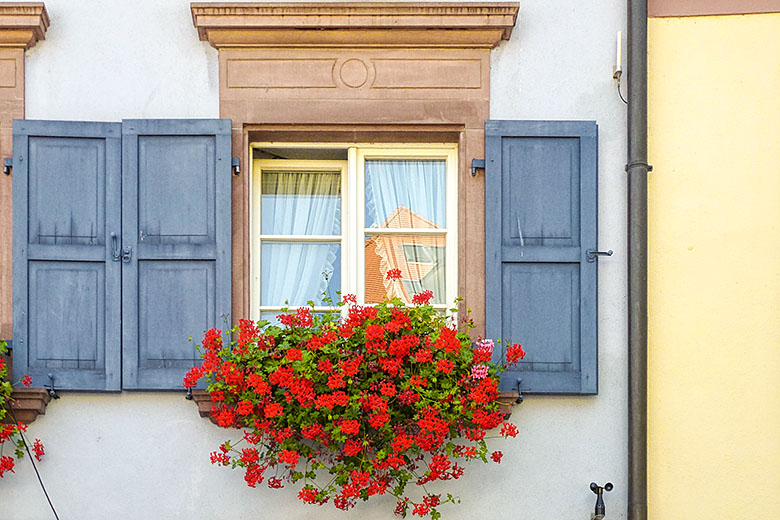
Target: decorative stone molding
27 404
318 24
22 24
361 72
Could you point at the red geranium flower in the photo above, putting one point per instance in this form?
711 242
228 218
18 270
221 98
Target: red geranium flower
514 353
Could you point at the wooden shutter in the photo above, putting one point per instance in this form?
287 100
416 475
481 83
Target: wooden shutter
66 301
176 190
540 209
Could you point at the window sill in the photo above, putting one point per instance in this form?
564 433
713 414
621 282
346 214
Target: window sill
27 404
506 401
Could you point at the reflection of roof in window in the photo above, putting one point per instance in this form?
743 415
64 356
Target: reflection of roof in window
404 217
385 252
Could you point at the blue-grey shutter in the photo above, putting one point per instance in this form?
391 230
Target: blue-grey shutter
540 216
176 191
66 294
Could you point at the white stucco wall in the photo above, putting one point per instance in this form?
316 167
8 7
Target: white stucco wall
145 455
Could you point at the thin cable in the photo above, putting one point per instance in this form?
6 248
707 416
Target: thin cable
32 460
620 93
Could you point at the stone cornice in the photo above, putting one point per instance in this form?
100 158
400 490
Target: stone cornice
319 24
22 24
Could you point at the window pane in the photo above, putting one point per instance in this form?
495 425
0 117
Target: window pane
297 272
405 193
420 258
301 203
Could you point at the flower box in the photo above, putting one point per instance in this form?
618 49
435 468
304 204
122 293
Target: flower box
27 404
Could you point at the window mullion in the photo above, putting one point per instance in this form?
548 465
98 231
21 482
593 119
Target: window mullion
358 235
451 253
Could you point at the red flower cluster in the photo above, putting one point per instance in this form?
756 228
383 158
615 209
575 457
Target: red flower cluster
514 353
6 465
12 433
424 298
377 396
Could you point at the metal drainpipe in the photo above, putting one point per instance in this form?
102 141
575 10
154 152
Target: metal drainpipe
637 169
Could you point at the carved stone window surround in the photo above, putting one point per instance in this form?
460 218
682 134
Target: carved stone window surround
437 24
22 25
390 72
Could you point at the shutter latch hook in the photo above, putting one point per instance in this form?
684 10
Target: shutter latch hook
519 392
52 392
592 254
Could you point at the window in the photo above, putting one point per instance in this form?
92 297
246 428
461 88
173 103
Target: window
330 219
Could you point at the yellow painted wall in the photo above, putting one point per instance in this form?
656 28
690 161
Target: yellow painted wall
714 281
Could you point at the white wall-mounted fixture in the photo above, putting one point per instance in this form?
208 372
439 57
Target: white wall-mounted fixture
617 69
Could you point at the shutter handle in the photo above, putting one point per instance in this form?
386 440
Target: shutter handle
126 254
592 254
114 247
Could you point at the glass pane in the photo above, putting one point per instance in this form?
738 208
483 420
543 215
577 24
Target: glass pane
293 273
406 194
301 203
271 318
420 258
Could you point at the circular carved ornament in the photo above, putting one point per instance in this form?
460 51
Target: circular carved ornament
353 73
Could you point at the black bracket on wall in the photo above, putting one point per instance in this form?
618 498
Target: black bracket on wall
477 164
235 163
8 165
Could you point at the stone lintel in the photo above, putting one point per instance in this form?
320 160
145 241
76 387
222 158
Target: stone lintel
325 24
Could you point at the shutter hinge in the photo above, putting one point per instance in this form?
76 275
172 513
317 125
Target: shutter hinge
8 165
477 164
236 164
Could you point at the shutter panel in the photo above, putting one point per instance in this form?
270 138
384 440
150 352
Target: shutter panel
66 301
176 190
540 210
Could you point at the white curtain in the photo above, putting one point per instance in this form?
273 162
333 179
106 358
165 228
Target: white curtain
304 203
418 186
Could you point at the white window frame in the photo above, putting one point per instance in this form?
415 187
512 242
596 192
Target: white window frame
353 230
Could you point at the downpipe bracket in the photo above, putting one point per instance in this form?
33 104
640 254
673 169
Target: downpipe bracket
639 164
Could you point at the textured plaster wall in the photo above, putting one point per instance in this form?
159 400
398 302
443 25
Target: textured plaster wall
145 455
714 419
